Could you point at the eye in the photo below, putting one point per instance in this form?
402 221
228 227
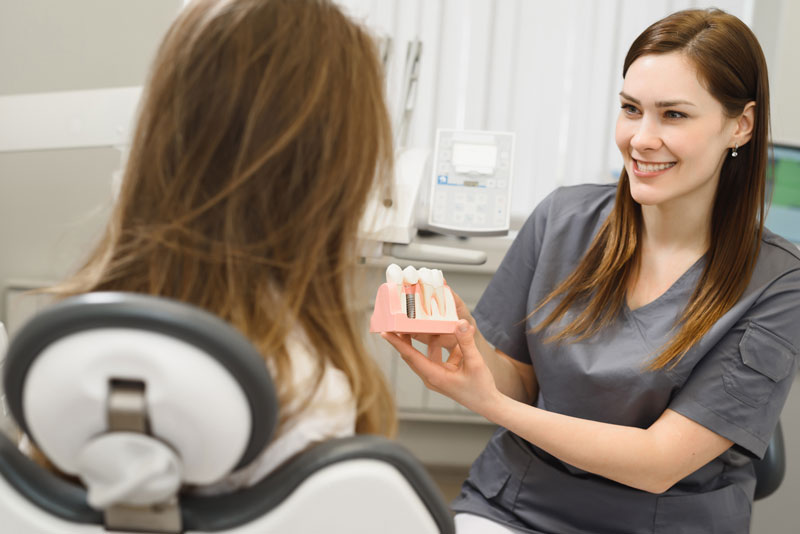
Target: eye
629 109
674 115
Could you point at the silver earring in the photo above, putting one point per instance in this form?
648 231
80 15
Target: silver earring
734 152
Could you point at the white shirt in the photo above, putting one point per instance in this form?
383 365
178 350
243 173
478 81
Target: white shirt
330 413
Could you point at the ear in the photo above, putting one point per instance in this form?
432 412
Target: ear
744 125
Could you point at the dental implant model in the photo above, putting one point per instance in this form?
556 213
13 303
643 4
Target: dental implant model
410 279
414 301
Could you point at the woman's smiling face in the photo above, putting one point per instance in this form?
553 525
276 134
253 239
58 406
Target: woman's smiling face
673 135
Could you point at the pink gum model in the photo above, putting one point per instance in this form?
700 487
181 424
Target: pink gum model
388 316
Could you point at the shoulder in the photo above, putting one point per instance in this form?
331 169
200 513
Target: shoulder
780 250
573 212
308 367
778 259
578 202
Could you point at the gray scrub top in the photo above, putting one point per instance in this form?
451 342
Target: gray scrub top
734 381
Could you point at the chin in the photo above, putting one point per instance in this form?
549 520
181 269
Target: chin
644 195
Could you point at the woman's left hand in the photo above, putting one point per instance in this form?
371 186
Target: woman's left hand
465 379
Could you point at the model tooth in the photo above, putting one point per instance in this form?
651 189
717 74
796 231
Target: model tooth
410 276
426 283
438 288
394 276
410 279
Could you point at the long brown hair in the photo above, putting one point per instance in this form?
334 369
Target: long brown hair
729 60
261 133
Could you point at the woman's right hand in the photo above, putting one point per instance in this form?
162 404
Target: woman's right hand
512 378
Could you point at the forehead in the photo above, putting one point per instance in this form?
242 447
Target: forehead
665 77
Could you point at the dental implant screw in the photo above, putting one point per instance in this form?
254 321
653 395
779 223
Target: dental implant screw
410 310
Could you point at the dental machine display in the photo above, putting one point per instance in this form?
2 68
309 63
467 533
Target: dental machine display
470 189
414 301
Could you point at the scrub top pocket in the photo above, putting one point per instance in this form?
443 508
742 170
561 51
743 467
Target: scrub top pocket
494 480
764 359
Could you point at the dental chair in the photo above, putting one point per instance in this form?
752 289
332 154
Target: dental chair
138 400
771 469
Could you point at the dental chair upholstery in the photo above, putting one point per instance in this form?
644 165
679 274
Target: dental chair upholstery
142 398
771 469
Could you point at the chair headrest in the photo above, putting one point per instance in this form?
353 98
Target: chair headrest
208 393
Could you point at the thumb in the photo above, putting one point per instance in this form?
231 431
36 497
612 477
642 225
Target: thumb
465 336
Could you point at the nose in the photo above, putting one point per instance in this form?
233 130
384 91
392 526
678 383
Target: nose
646 136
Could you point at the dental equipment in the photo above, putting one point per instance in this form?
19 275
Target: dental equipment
389 224
470 184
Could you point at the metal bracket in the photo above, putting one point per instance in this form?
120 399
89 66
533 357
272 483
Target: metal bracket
127 412
408 97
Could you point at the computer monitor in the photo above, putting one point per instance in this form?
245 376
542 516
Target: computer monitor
783 216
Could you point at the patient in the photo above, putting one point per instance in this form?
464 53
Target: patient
261 133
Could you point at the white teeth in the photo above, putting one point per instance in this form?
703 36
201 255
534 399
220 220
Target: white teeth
426 282
410 275
417 289
394 275
653 167
438 287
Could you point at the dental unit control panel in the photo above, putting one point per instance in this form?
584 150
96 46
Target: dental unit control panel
470 189
414 301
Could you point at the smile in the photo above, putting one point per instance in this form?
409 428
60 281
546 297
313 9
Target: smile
650 168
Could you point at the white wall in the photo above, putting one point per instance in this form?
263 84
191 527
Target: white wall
54 202
785 72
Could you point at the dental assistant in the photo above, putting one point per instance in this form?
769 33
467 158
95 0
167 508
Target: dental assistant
638 342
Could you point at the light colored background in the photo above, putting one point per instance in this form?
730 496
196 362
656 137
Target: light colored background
549 71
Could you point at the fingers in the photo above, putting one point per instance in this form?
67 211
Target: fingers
429 371
435 350
455 358
401 342
465 336
423 338
462 310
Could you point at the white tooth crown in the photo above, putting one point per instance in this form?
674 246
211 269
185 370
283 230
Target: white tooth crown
427 285
410 275
394 274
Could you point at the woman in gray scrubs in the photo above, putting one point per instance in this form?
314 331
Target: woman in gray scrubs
639 340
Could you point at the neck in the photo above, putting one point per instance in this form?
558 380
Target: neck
676 227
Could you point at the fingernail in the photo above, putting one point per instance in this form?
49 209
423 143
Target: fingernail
462 326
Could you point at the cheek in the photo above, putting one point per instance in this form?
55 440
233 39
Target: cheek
622 136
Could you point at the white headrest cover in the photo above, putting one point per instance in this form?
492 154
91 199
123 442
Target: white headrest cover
194 405
129 468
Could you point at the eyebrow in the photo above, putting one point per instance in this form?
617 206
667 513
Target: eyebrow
660 104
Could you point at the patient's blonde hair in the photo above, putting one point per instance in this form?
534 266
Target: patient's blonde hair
261 133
